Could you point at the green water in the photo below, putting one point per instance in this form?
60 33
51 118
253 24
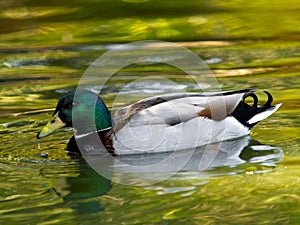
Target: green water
45 47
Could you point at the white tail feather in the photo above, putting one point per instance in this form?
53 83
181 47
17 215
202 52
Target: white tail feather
263 115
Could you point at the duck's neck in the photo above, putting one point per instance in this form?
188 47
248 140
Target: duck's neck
102 116
100 120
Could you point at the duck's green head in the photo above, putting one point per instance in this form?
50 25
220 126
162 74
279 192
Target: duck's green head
81 109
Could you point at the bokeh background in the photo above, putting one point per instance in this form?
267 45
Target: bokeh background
45 47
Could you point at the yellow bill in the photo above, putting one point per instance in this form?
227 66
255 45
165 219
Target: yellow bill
54 124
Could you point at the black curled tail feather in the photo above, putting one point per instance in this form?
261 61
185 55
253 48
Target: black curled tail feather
244 112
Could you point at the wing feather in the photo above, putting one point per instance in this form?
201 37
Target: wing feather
172 109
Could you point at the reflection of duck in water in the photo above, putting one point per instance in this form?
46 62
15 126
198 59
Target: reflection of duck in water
229 153
81 192
157 124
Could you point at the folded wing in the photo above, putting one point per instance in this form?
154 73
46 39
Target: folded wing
172 109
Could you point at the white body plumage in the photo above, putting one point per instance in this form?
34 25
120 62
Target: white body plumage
182 121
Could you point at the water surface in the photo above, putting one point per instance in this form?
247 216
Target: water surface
45 47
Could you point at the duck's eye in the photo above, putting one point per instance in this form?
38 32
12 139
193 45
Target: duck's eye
71 105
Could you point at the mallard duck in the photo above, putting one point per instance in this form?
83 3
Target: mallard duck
157 124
